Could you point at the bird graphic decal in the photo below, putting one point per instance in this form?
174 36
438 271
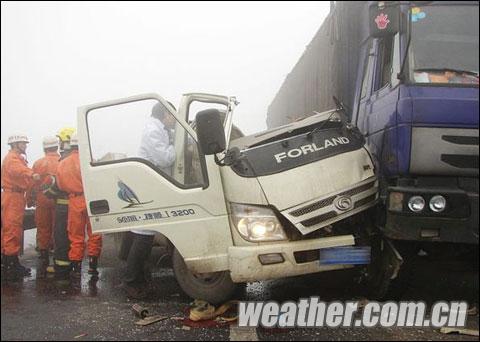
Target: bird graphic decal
126 194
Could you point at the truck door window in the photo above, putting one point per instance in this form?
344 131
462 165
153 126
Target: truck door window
389 61
144 131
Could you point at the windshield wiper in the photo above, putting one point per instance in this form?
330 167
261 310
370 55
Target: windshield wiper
458 71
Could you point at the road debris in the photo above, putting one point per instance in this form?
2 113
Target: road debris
461 331
473 311
202 310
81 335
150 320
204 315
139 311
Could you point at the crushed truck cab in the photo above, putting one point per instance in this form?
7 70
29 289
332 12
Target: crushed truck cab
234 209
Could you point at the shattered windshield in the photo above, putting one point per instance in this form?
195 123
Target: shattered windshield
313 124
444 44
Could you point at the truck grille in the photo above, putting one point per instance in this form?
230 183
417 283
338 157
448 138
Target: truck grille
444 151
319 219
364 201
323 212
329 200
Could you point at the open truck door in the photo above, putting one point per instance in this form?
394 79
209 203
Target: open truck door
126 191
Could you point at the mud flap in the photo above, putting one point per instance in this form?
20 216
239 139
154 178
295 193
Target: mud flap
392 259
385 267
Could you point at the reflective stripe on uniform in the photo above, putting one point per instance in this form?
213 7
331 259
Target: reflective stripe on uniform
62 262
62 201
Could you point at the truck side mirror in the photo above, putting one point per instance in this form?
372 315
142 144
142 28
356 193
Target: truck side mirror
383 20
210 133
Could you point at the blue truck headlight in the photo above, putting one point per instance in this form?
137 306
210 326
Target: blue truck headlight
416 203
256 223
438 203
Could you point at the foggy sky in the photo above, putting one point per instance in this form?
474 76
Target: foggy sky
56 57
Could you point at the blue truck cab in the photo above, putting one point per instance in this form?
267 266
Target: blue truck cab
416 102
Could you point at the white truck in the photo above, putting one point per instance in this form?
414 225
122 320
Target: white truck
264 206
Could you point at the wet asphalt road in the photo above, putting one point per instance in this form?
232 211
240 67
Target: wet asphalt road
42 309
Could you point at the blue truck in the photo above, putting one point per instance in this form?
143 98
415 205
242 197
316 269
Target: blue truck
406 74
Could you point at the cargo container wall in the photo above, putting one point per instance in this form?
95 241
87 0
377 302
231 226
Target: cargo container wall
327 68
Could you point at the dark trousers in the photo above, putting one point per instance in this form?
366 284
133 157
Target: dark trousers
140 250
60 234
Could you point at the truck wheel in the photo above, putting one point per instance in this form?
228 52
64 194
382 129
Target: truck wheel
215 288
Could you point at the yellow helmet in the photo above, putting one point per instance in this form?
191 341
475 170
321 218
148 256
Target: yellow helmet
65 133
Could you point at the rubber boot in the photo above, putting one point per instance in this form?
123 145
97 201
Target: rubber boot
43 261
24 271
76 272
92 265
62 269
12 271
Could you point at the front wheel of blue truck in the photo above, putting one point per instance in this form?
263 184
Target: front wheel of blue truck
215 288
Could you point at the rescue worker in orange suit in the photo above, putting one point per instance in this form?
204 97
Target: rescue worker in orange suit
70 180
61 262
17 178
45 207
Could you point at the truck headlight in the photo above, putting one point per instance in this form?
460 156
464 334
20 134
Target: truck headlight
438 203
256 224
416 204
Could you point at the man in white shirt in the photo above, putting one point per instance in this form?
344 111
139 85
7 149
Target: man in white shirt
156 147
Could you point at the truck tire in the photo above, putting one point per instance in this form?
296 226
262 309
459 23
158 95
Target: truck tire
216 288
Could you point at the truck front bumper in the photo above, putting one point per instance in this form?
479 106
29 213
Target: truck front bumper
461 228
299 257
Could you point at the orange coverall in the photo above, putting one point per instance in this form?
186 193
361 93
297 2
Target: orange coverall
45 207
70 180
16 179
